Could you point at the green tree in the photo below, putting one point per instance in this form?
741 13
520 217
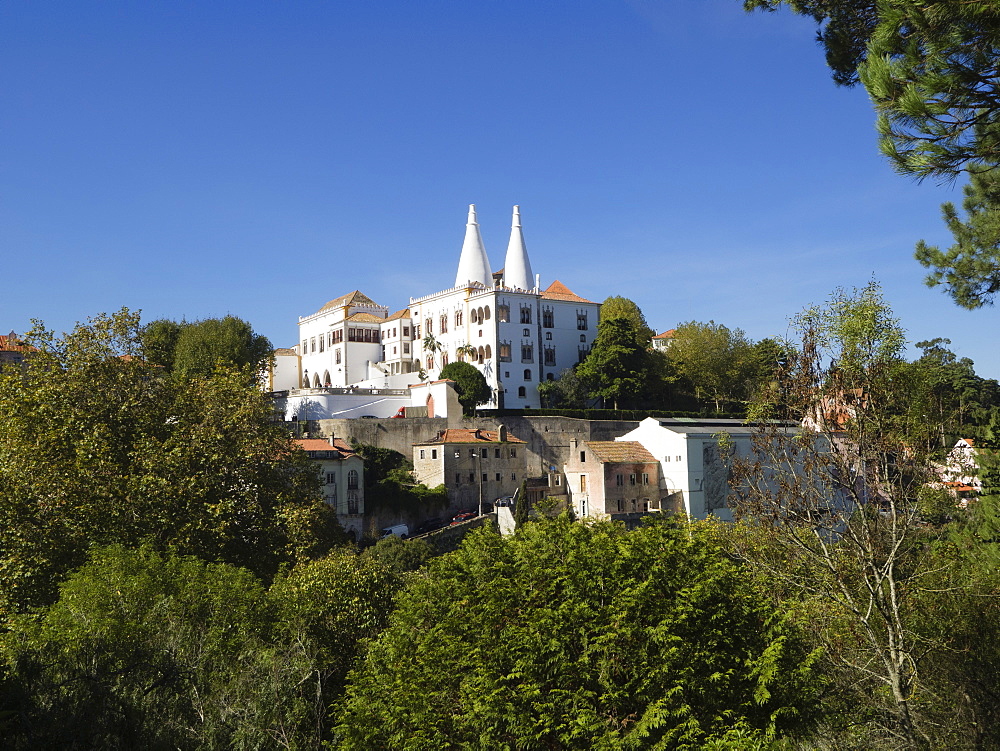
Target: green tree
838 501
159 342
98 448
969 269
929 67
144 650
621 307
230 341
522 509
581 636
471 383
716 362
618 364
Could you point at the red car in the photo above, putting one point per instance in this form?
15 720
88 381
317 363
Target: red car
463 517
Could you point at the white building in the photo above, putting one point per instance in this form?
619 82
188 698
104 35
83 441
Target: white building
515 332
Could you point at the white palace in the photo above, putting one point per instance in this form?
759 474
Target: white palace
355 358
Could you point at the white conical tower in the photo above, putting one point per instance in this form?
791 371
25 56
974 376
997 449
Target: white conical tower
473 266
517 267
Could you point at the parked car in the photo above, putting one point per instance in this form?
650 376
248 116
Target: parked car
400 530
507 500
401 412
463 517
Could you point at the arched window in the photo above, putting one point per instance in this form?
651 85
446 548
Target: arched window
444 359
472 316
482 354
458 318
479 315
486 312
527 375
522 392
305 379
550 377
430 363
315 380
489 352
583 337
444 324
352 480
326 378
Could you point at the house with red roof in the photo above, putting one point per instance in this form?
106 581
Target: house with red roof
476 466
342 475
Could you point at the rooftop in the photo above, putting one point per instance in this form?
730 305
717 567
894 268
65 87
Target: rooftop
559 291
323 444
620 452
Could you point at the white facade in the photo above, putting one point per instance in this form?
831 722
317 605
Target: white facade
514 332
690 461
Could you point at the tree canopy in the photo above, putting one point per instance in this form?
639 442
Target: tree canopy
581 636
99 447
929 67
471 384
197 348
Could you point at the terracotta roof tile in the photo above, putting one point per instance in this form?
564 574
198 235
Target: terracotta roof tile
404 313
351 298
620 452
559 291
364 318
666 334
323 444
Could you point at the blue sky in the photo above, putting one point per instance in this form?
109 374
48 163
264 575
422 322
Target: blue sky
195 159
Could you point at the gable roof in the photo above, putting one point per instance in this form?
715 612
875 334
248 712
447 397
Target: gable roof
559 291
467 435
620 452
351 298
323 444
404 313
666 334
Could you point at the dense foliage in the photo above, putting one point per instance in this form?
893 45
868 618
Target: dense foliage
582 636
99 447
470 383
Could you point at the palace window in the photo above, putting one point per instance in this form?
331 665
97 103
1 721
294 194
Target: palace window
548 318
458 318
503 313
444 324
527 375
504 352
527 353
525 314
581 320
550 355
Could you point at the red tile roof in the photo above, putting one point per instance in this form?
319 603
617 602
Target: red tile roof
666 334
620 452
323 444
351 298
364 318
559 291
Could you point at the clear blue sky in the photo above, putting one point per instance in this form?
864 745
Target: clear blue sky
194 159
